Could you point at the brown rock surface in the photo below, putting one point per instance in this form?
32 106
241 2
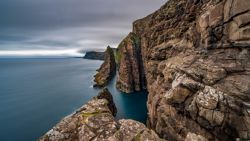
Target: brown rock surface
130 72
107 70
194 137
105 94
95 122
196 61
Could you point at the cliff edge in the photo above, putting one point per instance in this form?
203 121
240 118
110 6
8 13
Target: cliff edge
95 122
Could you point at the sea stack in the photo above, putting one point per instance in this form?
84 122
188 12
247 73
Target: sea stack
107 70
130 76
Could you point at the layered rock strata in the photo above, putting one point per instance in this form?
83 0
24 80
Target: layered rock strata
130 71
196 60
107 70
95 122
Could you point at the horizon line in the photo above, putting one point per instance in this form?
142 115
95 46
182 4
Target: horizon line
41 53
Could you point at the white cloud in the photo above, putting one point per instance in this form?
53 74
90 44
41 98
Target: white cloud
31 27
21 53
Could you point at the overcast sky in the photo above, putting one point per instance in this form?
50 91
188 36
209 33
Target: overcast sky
68 24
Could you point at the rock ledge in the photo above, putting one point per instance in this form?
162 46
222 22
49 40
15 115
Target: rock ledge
95 122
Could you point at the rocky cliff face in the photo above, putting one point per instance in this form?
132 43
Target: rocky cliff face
107 70
196 59
95 122
130 72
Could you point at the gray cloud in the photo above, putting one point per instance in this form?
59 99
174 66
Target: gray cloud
64 24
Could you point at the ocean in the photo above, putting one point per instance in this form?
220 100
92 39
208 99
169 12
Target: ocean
36 93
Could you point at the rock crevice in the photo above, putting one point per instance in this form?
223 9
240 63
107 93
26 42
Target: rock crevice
130 72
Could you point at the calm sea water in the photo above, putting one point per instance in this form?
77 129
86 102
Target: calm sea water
35 94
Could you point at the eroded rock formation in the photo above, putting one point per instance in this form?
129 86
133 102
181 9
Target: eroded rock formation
95 122
196 59
130 72
105 94
107 70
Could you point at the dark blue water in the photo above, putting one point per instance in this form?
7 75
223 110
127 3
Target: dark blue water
35 94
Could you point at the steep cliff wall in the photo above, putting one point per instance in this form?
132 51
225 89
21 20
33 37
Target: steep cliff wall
107 70
196 57
130 72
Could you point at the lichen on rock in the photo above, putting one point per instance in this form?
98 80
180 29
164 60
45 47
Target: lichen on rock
95 122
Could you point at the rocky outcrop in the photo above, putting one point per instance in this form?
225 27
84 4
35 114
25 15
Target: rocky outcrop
195 55
130 72
95 122
94 55
107 70
105 94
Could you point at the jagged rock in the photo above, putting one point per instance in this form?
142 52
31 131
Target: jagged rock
178 95
107 70
105 94
95 122
195 56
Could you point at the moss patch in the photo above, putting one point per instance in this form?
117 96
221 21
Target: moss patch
86 116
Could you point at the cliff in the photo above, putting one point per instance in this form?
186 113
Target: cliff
94 55
95 122
193 58
130 71
194 55
107 70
